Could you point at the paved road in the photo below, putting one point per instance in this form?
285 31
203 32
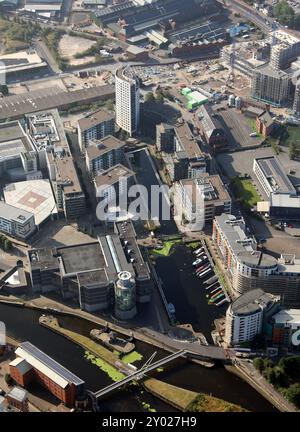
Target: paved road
249 13
45 53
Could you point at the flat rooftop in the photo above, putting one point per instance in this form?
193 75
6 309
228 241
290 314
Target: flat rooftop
126 231
113 175
189 144
288 317
20 61
271 72
94 119
67 175
17 106
13 213
275 174
46 129
209 187
257 259
92 277
13 140
233 230
33 196
98 148
82 257
251 302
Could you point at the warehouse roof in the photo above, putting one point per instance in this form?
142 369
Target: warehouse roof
275 175
47 365
17 106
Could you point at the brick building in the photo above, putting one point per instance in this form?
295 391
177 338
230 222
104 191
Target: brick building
32 364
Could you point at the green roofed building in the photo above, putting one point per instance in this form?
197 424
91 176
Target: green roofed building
185 91
195 99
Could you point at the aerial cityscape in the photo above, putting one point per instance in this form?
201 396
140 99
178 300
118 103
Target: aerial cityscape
149 206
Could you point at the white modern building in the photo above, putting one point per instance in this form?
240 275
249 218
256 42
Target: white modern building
18 157
113 183
202 199
16 222
127 101
246 315
272 177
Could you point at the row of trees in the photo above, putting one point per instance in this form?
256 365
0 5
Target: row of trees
282 375
51 39
286 15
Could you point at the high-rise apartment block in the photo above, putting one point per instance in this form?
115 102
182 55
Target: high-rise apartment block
95 127
127 101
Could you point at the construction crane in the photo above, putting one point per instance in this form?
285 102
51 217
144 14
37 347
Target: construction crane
231 75
274 28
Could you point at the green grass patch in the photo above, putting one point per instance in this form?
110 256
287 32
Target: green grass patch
132 357
17 35
167 247
194 245
112 372
291 135
206 403
252 123
244 190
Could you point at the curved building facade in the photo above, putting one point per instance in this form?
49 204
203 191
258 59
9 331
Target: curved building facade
127 101
251 267
246 315
125 296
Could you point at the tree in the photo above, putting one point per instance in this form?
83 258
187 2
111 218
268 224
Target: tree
297 21
292 150
284 13
290 365
149 97
293 394
268 363
258 363
159 97
109 105
4 89
8 379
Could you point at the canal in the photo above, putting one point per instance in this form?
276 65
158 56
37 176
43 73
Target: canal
22 324
185 290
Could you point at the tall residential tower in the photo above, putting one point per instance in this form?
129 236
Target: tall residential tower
127 101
